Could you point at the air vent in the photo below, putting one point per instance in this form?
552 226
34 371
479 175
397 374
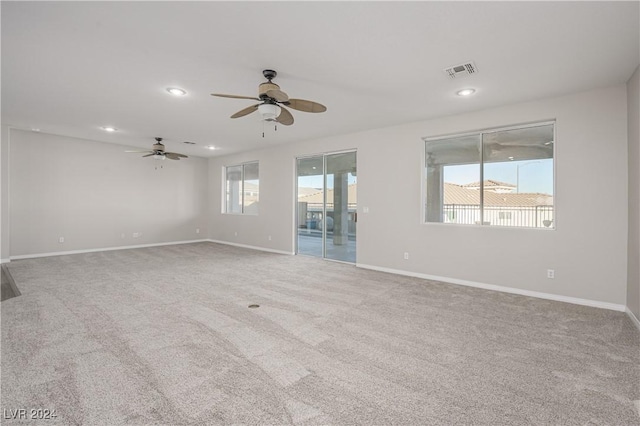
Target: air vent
189 143
461 70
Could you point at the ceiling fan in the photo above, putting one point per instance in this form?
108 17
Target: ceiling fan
273 101
159 153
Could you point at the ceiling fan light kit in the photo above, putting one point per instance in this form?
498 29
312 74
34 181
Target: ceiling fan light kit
269 112
273 101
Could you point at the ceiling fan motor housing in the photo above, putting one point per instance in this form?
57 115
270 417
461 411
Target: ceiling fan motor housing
265 87
158 147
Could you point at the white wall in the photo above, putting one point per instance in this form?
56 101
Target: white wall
4 194
588 250
91 193
633 262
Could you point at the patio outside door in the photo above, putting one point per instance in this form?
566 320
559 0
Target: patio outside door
327 205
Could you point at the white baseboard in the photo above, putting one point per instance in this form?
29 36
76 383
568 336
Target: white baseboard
62 253
634 319
539 295
251 247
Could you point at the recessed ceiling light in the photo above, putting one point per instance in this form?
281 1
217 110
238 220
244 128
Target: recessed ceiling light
176 91
211 147
466 92
108 129
35 129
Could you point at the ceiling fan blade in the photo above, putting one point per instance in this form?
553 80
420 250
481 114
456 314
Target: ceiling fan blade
278 95
221 95
245 111
149 155
177 155
306 106
285 118
146 150
172 155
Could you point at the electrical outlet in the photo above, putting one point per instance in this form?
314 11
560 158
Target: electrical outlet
136 234
269 237
235 233
61 240
551 274
406 255
197 230
365 210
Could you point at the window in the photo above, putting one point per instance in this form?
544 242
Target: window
242 187
498 177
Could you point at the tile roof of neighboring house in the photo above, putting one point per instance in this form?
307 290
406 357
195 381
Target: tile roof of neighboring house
453 194
248 186
458 194
490 183
318 198
305 190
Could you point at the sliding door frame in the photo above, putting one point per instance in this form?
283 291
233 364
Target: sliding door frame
324 156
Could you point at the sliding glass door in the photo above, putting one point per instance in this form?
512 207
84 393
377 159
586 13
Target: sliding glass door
310 189
340 207
327 205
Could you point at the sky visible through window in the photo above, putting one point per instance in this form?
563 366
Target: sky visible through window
535 176
316 181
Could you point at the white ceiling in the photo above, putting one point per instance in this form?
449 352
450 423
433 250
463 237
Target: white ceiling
70 67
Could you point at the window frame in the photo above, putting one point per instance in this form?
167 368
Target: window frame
241 189
481 132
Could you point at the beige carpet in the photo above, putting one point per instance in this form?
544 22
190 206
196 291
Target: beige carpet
164 336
